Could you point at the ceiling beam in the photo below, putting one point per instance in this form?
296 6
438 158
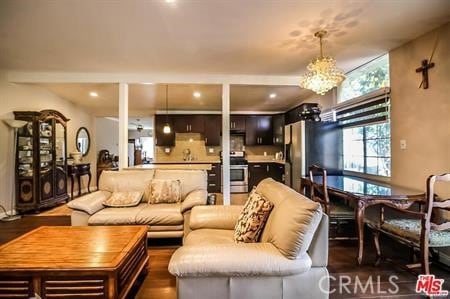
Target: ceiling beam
130 78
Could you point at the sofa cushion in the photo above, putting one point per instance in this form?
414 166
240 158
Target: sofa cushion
116 216
215 217
90 203
190 179
126 180
164 191
245 259
209 237
252 219
123 199
160 214
293 221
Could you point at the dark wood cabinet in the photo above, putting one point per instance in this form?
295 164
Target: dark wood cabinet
259 130
213 128
75 172
276 172
278 129
189 123
41 160
238 123
256 173
260 171
163 139
215 178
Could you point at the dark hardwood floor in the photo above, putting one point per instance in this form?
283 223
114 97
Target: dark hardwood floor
347 279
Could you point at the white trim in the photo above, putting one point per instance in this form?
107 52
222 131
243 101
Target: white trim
123 125
226 189
132 78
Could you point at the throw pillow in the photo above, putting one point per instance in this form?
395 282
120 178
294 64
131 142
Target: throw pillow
165 191
252 219
123 199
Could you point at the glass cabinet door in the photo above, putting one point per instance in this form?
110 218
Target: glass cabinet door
46 158
60 158
26 164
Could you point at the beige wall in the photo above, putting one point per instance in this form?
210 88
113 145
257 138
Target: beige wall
30 98
420 116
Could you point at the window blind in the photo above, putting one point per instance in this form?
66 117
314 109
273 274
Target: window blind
368 109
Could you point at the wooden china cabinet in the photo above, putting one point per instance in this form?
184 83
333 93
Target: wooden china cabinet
41 164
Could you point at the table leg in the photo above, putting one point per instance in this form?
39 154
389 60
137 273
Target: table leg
359 219
71 187
79 185
89 182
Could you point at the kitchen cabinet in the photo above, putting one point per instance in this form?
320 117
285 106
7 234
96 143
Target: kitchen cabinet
214 178
276 172
163 139
237 123
256 173
258 130
260 171
189 123
213 128
278 129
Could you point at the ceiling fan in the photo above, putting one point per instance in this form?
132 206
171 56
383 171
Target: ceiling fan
139 127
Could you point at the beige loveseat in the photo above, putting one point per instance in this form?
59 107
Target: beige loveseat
163 220
289 262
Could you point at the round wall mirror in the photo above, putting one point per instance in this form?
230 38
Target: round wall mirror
83 141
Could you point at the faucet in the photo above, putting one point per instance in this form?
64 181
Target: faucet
187 155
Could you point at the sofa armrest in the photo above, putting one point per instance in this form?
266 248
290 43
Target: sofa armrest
215 217
318 249
194 198
90 203
244 259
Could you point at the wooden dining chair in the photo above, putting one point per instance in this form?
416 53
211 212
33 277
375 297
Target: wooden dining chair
337 211
415 228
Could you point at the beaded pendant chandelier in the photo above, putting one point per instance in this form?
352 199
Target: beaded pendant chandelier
322 74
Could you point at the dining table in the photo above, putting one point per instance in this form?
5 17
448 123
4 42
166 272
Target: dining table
364 192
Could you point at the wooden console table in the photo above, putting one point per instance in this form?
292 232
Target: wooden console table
364 193
76 171
74 261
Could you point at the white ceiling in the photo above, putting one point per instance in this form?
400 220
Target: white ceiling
145 100
203 36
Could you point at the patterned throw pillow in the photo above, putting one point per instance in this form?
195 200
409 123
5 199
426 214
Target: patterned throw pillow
252 219
165 191
123 199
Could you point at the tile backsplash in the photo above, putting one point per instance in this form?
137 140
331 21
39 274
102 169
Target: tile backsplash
192 141
199 152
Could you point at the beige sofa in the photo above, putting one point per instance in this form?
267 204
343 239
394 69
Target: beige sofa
163 220
289 262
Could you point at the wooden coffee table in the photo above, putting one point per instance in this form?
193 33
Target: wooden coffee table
73 262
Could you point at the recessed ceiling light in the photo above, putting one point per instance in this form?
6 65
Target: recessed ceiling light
93 94
147 83
273 95
197 94
170 1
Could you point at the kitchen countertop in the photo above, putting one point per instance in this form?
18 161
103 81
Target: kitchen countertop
187 162
268 160
171 165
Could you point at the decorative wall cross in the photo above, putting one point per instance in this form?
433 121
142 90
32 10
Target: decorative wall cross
424 70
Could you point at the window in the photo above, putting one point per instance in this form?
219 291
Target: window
365 79
367 149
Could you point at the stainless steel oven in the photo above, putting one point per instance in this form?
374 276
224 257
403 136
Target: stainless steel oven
238 173
238 178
